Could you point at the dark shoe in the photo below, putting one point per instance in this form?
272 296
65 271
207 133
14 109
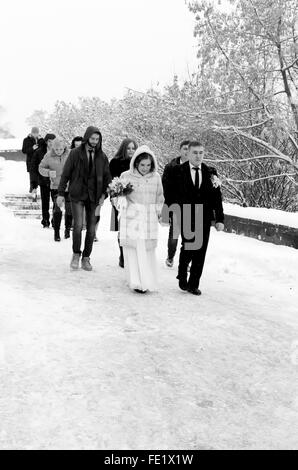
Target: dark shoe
57 237
46 225
139 291
183 284
67 233
86 264
194 291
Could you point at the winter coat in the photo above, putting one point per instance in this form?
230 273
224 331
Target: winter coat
117 166
52 162
140 210
76 172
28 150
37 158
166 178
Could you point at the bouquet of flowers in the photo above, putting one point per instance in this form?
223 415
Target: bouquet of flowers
118 188
216 182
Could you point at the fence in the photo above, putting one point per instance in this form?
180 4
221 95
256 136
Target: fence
272 233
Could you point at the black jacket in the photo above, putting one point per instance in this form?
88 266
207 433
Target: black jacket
118 166
36 160
76 172
166 179
182 192
28 150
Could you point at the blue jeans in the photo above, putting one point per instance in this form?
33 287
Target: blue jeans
78 220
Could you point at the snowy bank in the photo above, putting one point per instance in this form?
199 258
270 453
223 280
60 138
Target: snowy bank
13 177
10 144
272 216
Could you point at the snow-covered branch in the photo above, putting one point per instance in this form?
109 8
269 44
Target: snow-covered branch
262 178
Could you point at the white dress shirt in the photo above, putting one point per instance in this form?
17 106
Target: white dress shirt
193 174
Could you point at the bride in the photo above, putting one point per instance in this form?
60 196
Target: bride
139 214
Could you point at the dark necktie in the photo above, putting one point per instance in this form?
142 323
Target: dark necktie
197 178
90 162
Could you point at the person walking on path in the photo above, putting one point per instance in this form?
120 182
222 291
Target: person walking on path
30 144
43 181
197 194
140 211
88 175
51 167
166 181
119 164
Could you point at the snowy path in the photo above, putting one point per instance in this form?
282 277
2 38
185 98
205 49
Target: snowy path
87 364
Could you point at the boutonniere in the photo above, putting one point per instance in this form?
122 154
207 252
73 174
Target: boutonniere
216 182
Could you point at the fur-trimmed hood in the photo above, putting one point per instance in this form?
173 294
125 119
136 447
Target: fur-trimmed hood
139 151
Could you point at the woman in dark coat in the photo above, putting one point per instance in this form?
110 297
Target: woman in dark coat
119 164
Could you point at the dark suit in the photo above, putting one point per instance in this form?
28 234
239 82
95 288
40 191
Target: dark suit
206 201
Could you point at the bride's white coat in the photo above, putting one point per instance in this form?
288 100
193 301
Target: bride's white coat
139 212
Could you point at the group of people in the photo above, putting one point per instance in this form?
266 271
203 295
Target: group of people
187 198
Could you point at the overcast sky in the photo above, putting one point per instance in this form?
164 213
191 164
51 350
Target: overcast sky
62 49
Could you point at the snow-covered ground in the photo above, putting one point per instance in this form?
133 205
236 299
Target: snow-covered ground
13 177
87 364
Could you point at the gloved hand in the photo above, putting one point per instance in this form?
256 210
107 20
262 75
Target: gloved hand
52 174
60 201
219 227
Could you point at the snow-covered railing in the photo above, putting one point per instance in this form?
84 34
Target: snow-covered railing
269 225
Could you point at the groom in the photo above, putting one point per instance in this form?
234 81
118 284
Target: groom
198 197
88 174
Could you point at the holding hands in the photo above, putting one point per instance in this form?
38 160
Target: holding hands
60 201
100 204
219 227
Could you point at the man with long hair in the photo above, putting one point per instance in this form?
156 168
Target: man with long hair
88 175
